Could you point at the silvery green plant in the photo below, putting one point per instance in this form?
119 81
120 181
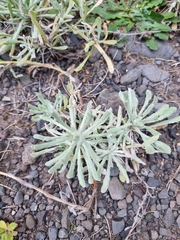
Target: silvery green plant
93 141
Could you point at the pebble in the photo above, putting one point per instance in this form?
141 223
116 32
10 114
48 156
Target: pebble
163 193
30 222
116 189
115 54
118 225
63 233
131 76
153 73
122 213
40 235
102 211
152 182
34 206
18 199
178 221
87 224
141 90
169 218
165 232
2 191
52 233
178 199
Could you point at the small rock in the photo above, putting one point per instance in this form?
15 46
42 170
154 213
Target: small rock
40 217
169 218
115 54
141 90
131 76
154 235
25 79
109 100
52 233
18 199
63 233
122 213
30 222
26 155
34 206
87 224
94 56
2 191
122 204
152 182
102 211
129 198
40 235
116 189
178 199
163 193
165 232
165 50
118 225
154 74
178 221
80 229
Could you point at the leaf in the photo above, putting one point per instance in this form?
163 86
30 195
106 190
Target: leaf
168 15
156 16
162 36
36 24
151 43
12 226
3 224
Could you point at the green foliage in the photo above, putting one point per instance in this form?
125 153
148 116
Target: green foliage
95 140
141 14
7 230
39 25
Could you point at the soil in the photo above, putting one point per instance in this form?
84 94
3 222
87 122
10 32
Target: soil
147 208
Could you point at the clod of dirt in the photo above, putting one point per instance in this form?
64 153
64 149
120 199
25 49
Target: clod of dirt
26 155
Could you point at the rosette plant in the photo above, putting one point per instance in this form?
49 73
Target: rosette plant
94 140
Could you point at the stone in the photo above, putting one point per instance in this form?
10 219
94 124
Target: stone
40 235
153 73
87 224
115 54
34 206
52 233
40 217
178 221
131 76
94 56
25 79
154 235
102 211
169 218
2 191
165 50
116 189
109 100
165 232
26 155
18 199
122 204
122 213
178 199
63 233
141 90
118 225
30 222
163 194
152 182
129 198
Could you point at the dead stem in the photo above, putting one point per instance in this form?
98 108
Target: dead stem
46 194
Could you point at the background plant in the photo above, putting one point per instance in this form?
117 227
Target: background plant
95 140
7 230
144 15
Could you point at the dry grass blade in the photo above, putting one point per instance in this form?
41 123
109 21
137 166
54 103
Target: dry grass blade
46 194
